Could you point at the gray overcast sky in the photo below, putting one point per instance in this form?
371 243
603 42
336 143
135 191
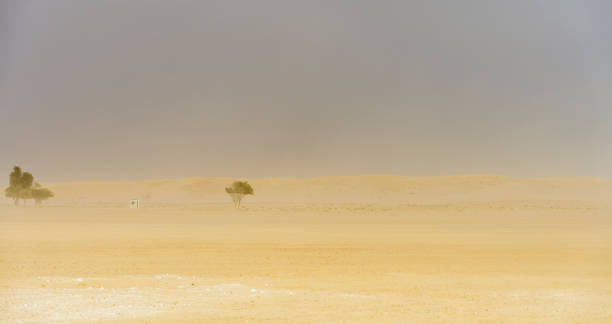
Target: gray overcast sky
121 90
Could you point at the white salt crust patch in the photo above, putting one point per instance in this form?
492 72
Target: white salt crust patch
64 299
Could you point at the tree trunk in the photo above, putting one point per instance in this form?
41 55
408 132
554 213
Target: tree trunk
236 197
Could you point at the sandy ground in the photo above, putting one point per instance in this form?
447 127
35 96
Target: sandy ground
451 258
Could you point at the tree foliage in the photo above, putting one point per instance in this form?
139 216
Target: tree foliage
13 193
20 187
39 194
238 190
19 183
15 177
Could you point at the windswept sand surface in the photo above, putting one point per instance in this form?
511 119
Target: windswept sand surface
376 249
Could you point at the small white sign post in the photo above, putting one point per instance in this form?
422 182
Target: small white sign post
134 203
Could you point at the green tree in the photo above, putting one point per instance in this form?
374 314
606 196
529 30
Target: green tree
13 192
39 194
238 190
20 187
15 177
14 189
19 183
27 179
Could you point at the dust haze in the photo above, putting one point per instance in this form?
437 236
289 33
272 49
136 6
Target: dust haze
305 161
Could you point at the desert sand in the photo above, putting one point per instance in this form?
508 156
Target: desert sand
372 249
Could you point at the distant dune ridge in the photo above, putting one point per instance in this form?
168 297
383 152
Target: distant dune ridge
341 189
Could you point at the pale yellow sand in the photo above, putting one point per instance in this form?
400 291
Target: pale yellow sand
373 249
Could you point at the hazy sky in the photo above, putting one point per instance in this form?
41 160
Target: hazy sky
120 90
